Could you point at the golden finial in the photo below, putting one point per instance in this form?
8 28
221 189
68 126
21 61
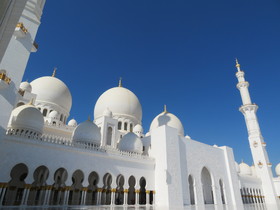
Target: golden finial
237 64
54 72
31 101
164 109
120 82
88 118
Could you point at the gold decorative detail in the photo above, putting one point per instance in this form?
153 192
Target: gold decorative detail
4 77
125 190
31 101
255 144
113 190
237 64
21 26
88 118
165 109
154 192
54 72
264 144
99 190
148 191
84 189
269 164
120 82
137 191
260 164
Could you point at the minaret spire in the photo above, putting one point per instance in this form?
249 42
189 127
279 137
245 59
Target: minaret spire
164 109
54 72
120 82
256 141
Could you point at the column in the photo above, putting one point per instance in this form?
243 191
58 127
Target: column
3 191
47 196
113 198
125 194
154 197
147 197
137 197
25 195
99 191
67 195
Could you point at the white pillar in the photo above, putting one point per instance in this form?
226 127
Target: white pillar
147 197
125 194
47 197
67 195
3 191
25 197
113 194
98 201
137 197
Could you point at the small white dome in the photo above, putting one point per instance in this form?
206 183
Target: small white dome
25 86
166 118
54 114
108 113
245 169
52 90
87 132
237 167
277 169
187 137
27 117
131 143
138 128
72 122
121 101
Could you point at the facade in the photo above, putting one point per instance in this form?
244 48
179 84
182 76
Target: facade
110 160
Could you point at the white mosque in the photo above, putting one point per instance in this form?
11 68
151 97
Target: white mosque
48 160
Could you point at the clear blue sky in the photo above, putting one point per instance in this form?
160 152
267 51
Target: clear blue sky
179 53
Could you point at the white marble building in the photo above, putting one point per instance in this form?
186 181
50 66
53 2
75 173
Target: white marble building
47 159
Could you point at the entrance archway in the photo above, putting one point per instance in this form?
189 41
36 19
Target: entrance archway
206 181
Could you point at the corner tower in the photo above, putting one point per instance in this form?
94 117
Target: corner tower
256 141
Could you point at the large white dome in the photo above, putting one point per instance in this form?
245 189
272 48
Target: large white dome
166 118
27 117
52 90
121 101
87 132
131 143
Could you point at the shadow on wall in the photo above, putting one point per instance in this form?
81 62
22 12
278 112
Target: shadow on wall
163 119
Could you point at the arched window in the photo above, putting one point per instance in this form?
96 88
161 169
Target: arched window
37 192
75 194
60 177
206 181
45 112
119 198
109 136
119 125
191 189
222 191
91 198
20 104
106 194
142 193
125 126
14 193
131 191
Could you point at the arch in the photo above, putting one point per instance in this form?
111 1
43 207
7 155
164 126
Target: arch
125 126
109 135
15 188
206 181
142 193
45 111
119 190
222 189
57 196
75 194
131 191
119 125
37 191
106 192
191 189
20 104
93 180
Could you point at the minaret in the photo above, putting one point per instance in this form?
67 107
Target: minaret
256 141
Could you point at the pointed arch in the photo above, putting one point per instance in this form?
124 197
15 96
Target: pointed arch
93 180
119 198
207 183
131 191
191 189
